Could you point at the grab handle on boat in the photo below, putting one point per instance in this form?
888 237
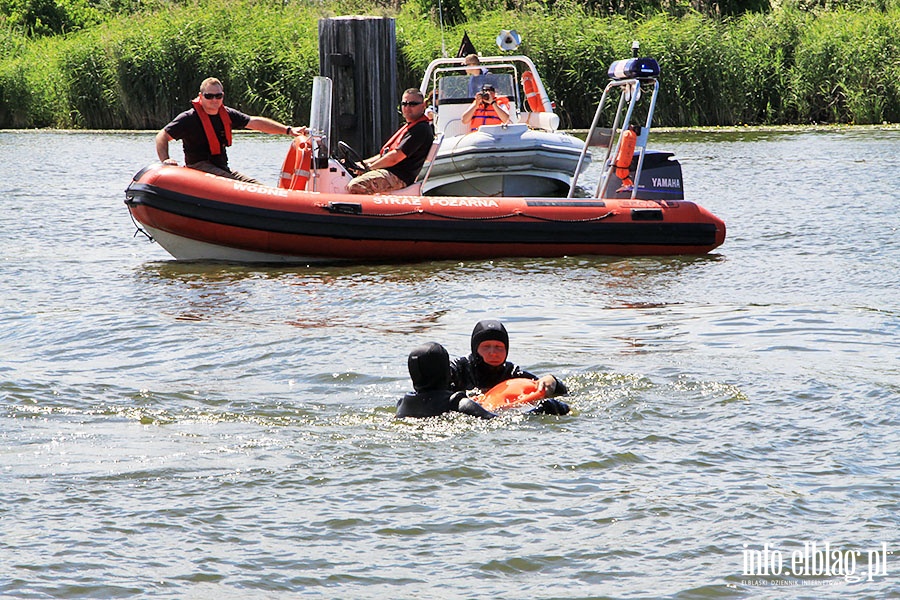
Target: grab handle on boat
346 208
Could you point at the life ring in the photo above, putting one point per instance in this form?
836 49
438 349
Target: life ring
625 155
295 170
532 94
510 393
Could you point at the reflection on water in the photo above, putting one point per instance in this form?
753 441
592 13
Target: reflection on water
413 273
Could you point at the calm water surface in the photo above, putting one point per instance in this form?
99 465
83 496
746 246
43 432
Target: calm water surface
210 431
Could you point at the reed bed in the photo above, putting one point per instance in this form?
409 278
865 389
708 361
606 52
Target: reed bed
781 67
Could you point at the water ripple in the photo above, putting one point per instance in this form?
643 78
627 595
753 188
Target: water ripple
191 430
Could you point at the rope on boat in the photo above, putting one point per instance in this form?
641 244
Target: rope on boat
138 228
549 220
357 209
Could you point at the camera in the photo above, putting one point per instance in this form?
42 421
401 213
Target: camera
485 95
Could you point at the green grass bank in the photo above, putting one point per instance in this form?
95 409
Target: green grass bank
786 66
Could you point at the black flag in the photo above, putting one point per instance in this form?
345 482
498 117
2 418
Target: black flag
466 47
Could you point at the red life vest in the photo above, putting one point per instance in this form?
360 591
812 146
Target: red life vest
487 116
394 141
211 137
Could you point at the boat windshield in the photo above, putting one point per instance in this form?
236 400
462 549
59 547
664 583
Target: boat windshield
450 87
461 89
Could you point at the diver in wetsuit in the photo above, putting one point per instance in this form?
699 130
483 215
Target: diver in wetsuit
487 366
429 369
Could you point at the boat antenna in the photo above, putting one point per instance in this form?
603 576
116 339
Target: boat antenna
441 17
635 48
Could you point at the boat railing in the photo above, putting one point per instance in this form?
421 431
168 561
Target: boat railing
505 72
631 92
429 160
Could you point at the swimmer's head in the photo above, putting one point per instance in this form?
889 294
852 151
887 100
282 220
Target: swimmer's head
429 367
489 329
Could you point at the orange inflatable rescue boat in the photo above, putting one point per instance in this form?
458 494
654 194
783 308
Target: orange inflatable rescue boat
511 393
310 217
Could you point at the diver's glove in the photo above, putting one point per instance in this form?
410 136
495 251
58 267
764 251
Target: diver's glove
550 406
461 403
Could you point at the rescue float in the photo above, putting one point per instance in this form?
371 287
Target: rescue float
310 218
511 393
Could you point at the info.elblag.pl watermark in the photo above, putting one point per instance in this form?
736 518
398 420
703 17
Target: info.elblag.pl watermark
815 559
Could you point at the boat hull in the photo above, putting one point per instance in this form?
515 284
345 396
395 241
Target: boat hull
197 216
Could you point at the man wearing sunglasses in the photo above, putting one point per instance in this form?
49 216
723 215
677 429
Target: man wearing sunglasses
205 132
402 155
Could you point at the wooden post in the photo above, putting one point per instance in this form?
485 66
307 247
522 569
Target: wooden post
359 54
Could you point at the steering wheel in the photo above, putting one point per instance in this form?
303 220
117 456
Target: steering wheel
350 158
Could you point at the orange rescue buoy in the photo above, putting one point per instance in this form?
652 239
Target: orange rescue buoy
510 393
295 170
623 158
532 94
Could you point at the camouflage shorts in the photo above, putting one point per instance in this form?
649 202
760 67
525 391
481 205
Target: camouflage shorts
374 182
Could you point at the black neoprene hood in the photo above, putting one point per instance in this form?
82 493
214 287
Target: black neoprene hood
429 367
489 329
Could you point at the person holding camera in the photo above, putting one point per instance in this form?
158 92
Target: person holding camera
488 108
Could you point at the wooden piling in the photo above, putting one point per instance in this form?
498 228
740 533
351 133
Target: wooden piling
359 54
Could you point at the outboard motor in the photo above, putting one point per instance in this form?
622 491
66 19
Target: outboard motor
660 178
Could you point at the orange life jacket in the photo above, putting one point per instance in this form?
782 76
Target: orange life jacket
487 115
211 137
394 141
625 156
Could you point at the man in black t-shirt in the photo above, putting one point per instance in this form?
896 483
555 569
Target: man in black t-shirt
205 132
403 155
